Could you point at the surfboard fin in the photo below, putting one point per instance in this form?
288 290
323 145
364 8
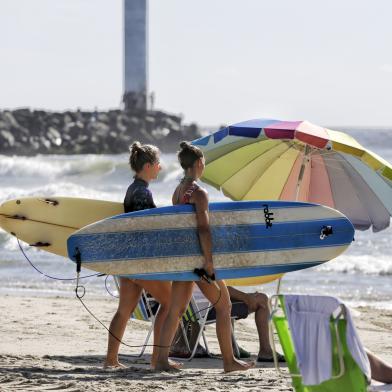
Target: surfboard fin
51 202
40 244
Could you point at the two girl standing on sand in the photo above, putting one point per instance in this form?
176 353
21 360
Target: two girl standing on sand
174 298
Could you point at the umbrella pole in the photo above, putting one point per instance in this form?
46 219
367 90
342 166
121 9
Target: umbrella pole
278 286
302 171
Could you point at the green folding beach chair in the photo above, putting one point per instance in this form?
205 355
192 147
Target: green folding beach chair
346 374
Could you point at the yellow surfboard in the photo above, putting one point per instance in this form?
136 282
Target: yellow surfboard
47 222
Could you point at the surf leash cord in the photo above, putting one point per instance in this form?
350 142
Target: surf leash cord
49 276
80 292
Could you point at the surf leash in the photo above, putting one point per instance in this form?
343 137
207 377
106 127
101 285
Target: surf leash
80 298
80 292
49 276
202 274
107 288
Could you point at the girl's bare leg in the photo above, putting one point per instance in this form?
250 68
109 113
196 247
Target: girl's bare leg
129 297
180 297
161 291
221 301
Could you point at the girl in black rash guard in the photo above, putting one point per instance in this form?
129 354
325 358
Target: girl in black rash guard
144 161
138 196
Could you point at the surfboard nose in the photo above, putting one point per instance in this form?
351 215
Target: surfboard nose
2 210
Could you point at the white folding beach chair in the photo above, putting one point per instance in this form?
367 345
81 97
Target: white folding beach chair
199 311
144 311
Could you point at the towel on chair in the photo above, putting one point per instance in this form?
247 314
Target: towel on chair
308 318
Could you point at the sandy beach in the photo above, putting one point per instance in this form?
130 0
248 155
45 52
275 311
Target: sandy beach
285 106
52 343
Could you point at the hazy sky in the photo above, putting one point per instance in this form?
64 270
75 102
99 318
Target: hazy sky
215 61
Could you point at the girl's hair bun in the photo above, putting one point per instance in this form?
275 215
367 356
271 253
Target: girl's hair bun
135 146
184 145
141 154
188 154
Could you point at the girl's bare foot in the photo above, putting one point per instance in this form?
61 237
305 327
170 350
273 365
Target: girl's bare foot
113 365
175 364
237 365
168 366
172 365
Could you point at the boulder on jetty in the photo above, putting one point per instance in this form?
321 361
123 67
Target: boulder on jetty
30 132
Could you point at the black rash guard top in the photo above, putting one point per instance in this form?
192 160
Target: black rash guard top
138 196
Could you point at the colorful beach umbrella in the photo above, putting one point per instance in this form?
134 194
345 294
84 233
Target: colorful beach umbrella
267 159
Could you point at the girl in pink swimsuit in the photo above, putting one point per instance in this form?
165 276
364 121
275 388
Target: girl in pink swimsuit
189 192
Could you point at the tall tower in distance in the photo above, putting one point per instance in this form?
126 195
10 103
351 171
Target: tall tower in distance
135 54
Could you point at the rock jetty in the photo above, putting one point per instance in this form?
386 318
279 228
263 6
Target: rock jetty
30 132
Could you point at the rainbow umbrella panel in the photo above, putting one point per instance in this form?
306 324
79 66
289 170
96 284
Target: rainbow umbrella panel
268 159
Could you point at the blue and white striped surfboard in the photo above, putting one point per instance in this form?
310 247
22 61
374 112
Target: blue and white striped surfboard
163 244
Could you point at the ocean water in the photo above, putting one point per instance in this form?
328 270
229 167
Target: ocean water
361 276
